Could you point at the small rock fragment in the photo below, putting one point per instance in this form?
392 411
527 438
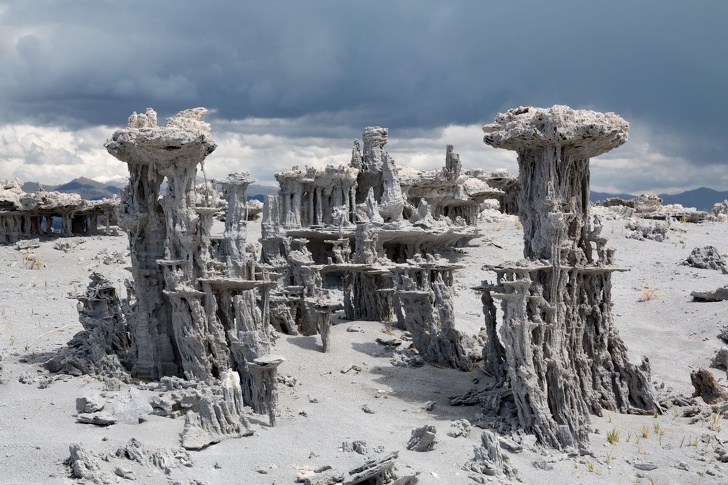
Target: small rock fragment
90 403
645 466
99 419
422 439
458 428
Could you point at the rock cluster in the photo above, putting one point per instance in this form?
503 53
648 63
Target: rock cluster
27 215
373 227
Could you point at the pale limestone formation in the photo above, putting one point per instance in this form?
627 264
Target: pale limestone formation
163 230
103 347
365 206
310 228
452 195
707 257
425 308
29 215
236 231
370 162
198 306
368 284
311 197
720 211
649 206
556 344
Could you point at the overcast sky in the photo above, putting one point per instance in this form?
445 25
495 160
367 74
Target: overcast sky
294 82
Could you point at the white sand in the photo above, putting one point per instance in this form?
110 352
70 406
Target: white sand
38 424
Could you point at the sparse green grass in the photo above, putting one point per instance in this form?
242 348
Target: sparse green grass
715 419
592 468
645 431
611 456
613 436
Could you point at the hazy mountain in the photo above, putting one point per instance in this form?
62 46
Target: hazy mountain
88 189
702 198
602 196
258 192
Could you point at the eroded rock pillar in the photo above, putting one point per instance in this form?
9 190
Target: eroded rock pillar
558 342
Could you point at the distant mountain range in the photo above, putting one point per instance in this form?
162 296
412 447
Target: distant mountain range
702 198
90 189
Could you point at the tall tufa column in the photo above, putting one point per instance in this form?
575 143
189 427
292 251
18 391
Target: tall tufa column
558 345
236 221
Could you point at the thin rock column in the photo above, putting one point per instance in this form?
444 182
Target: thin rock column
236 221
263 371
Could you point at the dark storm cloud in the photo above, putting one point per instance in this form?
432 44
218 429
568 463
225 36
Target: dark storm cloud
344 65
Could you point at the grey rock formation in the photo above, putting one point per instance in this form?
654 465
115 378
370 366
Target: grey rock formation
27 215
367 288
451 193
85 465
556 343
425 308
458 428
719 294
198 306
90 467
163 459
707 387
264 370
720 211
90 403
641 230
132 407
649 206
104 346
422 439
489 459
707 257
721 359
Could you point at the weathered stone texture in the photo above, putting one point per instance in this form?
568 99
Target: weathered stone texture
558 345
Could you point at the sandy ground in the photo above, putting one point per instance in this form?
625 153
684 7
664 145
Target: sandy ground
323 409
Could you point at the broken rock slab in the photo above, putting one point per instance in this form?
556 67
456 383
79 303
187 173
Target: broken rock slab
422 439
90 403
720 294
132 407
99 419
376 471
